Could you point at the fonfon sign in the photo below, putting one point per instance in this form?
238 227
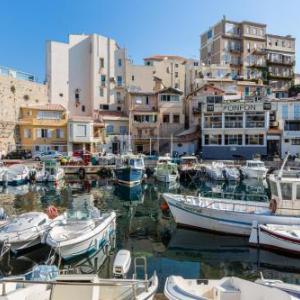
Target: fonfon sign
239 107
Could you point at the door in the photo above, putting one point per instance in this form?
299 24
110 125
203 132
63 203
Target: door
273 147
115 147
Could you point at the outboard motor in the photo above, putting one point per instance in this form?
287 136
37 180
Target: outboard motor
32 176
122 263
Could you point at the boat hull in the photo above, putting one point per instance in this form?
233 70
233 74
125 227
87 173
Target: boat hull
224 221
94 241
23 246
261 236
166 177
129 175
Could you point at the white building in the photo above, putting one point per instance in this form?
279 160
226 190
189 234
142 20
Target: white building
85 74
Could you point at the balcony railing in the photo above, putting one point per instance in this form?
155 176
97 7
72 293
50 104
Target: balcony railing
213 125
255 124
233 124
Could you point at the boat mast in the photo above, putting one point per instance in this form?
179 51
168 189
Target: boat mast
129 149
283 165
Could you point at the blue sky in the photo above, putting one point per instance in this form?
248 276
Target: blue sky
143 27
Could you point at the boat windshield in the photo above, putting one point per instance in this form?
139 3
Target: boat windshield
136 162
78 215
256 164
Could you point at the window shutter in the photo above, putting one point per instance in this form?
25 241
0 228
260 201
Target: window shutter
49 133
39 132
62 133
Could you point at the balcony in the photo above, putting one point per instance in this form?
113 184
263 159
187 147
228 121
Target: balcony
281 62
258 65
259 51
213 125
281 76
197 110
142 125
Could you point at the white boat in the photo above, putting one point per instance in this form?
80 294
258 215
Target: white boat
24 231
188 166
284 238
81 232
289 288
233 216
3 174
227 288
17 174
231 174
254 169
51 172
215 171
165 170
78 287
122 263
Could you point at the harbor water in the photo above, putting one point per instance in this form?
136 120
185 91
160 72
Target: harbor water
145 229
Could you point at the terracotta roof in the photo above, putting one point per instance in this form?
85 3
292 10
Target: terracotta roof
49 106
170 90
162 57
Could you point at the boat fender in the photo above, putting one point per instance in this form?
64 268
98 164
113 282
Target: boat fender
81 173
52 212
273 206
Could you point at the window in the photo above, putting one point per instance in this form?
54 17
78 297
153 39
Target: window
123 130
176 65
27 133
49 115
176 74
285 112
296 141
101 92
247 91
169 98
132 77
274 189
83 108
120 62
297 111
110 129
176 118
119 96
147 100
233 120
81 130
255 119
104 106
101 62
43 133
292 125
59 133
119 80
213 120
254 139
233 139
213 139
77 96
298 192
176 85
286 191
103 80
209 34
166 118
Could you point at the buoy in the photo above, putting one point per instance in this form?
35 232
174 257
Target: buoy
52 212
164 206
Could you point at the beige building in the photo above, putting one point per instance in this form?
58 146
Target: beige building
17 89
249 52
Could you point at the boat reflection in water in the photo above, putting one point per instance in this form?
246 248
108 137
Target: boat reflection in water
127 193
225 255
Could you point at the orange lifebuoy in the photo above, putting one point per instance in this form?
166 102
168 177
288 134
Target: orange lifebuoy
52 212
164 206
273 205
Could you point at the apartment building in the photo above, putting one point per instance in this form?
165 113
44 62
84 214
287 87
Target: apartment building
281 62
17 89
85 74
249 51
43 127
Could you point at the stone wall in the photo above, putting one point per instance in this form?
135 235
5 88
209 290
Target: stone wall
15 93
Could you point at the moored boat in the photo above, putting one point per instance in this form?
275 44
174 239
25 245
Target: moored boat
81 232
231 174
24 231
215 171
17 174
165 170
51 172
130 169
284 238
188 166
227 288
254 169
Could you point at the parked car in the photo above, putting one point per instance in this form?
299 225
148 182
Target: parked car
19 154
47 155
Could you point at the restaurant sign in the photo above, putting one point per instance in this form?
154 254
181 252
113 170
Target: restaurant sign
240 107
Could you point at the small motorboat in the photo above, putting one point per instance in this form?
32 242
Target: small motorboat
188 166
231 174
51 172
254 169
81 232
122 263
17 174
165 170
215 171
24 231
284 238
130 169
227 288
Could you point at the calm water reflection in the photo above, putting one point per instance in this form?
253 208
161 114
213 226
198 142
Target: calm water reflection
143 229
